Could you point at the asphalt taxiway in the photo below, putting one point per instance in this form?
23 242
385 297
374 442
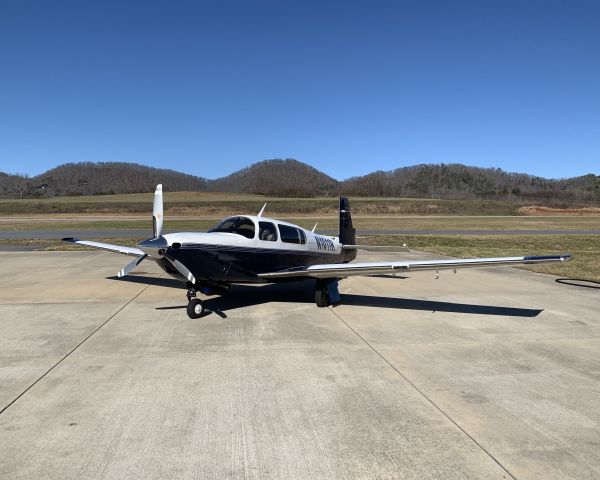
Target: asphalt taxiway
487 374
145 233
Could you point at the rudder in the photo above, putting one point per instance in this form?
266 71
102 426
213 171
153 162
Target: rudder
347 231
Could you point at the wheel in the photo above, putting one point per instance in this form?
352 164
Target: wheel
321 297
195 308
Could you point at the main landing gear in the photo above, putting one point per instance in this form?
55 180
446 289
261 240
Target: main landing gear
195 307
326 293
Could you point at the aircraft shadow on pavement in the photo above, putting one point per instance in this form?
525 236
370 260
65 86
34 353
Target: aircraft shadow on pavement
578 282
303 292
156 281
433 306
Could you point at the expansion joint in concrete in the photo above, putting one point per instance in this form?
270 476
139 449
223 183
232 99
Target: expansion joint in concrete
425 396
73 350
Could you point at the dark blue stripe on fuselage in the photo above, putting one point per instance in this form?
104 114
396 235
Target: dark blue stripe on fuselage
231 264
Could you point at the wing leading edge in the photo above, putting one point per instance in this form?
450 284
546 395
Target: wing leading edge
106 246
374 268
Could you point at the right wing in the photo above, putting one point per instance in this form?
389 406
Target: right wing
106 246
341 270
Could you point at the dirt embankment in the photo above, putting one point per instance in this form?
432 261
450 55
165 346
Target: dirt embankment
539 210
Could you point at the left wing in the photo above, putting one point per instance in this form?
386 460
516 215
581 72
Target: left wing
339 270
377 248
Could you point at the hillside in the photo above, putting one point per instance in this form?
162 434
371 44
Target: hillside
72 179
277 177
460 181
296 179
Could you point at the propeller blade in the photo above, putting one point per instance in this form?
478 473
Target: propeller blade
181 268
157 212
130 266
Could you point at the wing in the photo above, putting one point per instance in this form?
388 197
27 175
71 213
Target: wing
340 270
106 246
378 248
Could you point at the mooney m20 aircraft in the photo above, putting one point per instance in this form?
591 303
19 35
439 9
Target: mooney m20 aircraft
256 249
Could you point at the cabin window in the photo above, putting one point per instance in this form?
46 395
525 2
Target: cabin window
291 234
240 225
267 231
302 237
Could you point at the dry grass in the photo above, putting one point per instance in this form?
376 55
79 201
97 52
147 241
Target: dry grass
326 222
202 203
585 249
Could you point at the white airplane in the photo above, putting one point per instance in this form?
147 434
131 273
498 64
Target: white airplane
256 249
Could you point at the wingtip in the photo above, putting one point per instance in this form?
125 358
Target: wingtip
70 239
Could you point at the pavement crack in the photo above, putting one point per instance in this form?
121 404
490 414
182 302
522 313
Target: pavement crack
74 349
425 396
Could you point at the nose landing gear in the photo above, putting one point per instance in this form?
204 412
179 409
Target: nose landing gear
195 307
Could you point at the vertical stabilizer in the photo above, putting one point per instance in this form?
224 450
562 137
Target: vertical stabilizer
347 232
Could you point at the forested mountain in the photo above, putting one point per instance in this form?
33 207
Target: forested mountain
12 185
293 178
277 177
460 181
104 178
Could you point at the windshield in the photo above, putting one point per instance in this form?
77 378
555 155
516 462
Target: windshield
241 225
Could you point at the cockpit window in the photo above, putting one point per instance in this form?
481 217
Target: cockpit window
267 231
241 225
291 234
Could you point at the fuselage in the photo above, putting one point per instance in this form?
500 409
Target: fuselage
240 247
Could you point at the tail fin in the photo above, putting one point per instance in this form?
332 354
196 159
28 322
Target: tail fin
347 231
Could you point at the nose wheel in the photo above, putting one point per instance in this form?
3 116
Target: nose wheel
195 307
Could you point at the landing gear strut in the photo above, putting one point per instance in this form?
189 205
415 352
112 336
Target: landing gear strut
195 307
326 293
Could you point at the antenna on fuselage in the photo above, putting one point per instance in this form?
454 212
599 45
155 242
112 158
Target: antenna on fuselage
262 210
315 227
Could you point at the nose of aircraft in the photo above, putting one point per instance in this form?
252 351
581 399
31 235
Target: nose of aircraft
154 247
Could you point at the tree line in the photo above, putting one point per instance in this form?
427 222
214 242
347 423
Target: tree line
296 179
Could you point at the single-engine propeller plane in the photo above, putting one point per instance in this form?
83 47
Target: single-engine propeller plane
255 249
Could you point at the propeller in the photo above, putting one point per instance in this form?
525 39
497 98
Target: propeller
157 212
182 269
130 266
157 245
157 242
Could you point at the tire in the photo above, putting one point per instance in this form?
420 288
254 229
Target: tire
321 297
195 308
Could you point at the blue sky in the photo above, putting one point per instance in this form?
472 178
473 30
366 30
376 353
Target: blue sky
348 87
